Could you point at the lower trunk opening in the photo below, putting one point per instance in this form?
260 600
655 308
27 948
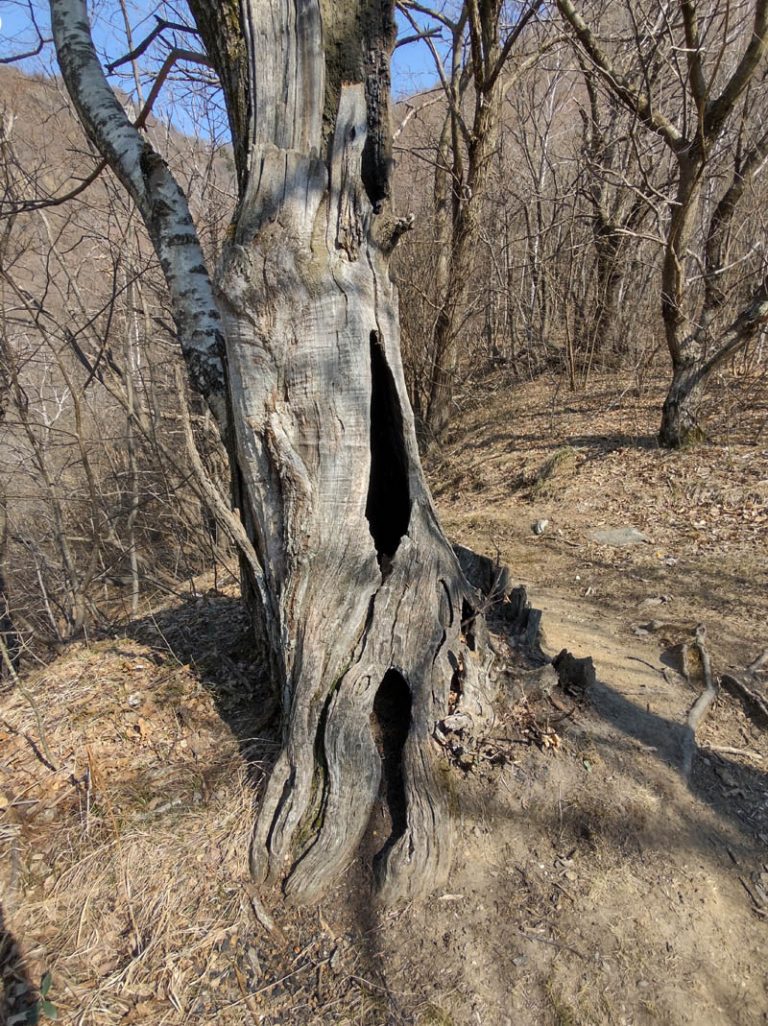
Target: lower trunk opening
468 617
388 509
391 721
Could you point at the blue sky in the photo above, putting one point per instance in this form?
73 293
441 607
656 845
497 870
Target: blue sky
412 66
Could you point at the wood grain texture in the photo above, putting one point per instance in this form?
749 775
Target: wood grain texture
311 320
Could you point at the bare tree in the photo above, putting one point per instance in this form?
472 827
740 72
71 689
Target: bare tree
710 78
357 595
476 75
9 636
101 513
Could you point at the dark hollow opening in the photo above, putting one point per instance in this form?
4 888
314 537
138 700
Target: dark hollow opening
391 721
468 616
388 509
456 690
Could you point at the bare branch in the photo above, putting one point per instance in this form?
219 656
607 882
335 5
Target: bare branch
41 42
173 58
752 318
156 193
404 6
144 45
55 201
719 109
417 37
637 102
693 54
510 41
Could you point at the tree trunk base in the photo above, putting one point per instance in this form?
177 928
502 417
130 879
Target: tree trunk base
680 427
378 751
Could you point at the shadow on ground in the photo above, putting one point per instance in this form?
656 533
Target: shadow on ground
212 634
735 798
18 996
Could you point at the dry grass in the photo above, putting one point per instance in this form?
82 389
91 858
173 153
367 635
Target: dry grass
122 867
124 831
125 821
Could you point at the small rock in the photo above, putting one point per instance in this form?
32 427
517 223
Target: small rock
619 536
539 526
457 722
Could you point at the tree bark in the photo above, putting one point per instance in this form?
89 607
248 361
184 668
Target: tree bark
679 423
361 591
486 71
680 426
461 262
367 619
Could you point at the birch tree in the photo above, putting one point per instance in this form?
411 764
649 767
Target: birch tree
357 596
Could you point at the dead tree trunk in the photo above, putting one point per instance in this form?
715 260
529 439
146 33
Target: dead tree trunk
357 593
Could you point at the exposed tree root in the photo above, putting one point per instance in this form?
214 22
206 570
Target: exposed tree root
754 706
703 703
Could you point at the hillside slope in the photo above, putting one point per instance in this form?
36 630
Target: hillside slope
596 883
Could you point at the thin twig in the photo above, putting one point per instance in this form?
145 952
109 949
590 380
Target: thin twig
553 944
757 664
8 662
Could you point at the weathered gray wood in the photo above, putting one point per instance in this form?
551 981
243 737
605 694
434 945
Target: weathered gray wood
357 584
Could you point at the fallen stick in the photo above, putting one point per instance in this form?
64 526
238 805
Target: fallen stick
727 750
757 664
552 944
262 916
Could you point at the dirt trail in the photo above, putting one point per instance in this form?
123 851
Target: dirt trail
608 888
596 886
